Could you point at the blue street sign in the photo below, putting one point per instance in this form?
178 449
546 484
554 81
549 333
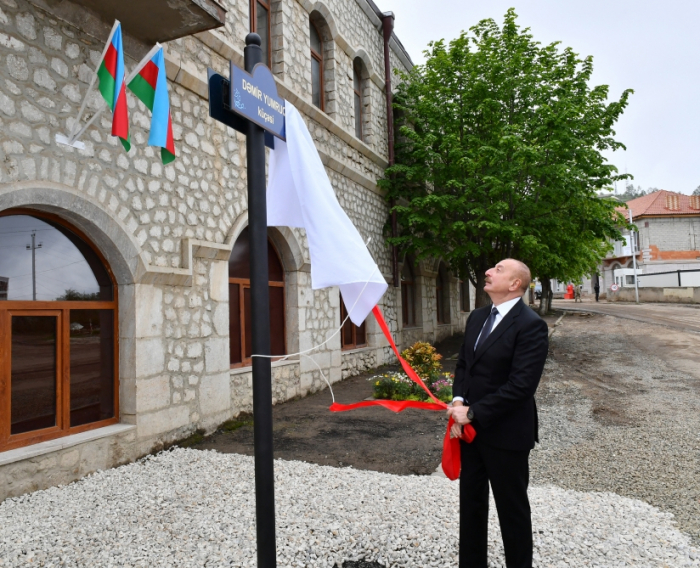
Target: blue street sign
255 97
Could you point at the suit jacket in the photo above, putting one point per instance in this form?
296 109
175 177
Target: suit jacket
499 380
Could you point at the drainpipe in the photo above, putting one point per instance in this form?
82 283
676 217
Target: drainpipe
388 29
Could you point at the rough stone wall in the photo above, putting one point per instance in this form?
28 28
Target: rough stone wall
297 69
65 465
358 360
286 385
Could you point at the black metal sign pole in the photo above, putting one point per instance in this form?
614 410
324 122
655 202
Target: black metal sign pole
260 316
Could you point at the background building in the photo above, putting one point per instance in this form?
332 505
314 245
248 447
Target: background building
668 241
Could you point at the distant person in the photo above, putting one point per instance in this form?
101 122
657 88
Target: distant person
596 288
499 367
577 293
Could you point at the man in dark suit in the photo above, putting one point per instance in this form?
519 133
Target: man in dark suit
499 368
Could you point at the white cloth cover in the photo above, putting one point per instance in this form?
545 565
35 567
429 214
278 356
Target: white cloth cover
299 194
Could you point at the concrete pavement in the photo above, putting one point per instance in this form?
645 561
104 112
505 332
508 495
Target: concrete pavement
675 316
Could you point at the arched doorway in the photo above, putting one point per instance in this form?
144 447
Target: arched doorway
58 329
240 327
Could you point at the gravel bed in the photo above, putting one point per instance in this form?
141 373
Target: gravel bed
195 508
617 417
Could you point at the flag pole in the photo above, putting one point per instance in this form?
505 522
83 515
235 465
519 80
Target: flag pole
89 123
72 138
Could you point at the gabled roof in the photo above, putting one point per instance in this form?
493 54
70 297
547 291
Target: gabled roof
666 203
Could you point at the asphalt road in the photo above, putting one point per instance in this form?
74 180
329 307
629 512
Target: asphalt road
675 316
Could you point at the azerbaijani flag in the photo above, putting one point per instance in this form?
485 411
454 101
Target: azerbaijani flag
111 74
149 83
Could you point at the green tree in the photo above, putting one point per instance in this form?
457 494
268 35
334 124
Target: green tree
632 193
71 295
499 154
697 191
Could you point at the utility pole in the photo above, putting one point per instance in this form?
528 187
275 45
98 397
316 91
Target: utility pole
33 248
633 248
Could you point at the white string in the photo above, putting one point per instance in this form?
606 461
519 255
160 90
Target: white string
336 332
322 374
331 337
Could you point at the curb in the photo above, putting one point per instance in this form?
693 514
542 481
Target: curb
556 324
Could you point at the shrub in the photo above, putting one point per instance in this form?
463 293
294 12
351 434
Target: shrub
424 360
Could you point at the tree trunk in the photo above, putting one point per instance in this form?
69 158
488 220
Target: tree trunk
545 300
482 298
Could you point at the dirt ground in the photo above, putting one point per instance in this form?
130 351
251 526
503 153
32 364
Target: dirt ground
618 406
368 438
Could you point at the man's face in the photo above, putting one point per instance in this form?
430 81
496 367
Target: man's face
500 278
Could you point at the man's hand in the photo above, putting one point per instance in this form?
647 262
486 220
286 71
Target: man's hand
456 431
459 414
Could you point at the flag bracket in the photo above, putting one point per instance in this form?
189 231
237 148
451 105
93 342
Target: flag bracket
65 140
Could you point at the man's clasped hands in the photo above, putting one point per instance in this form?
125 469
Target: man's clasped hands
458 412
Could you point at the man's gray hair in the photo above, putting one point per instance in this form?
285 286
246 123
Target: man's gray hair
522 271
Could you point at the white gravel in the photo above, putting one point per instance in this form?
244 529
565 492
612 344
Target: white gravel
193 508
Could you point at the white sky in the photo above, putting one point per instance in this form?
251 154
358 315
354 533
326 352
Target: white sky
59 264
652 47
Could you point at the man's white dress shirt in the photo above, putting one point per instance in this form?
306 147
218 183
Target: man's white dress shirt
503 310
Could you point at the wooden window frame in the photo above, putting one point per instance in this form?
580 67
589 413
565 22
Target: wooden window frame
408 287
355 328
357 70
243 284
8 308
440 298
464 299
318 57
254 24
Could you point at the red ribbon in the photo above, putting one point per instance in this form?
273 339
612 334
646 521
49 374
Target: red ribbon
450 447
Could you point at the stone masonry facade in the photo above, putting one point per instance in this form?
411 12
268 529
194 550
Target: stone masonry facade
167 231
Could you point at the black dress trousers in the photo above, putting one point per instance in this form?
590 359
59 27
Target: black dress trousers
508 472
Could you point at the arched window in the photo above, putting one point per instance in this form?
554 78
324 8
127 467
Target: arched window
316 66
240 328
357 89
351 336
442 296
260 24
408 295
58 324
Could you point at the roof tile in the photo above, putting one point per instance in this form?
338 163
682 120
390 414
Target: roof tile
664 202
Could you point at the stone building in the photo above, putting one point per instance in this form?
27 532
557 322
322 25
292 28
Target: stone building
125 322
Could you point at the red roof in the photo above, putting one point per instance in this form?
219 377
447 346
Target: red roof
663 202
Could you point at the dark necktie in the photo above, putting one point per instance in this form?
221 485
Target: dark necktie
488 327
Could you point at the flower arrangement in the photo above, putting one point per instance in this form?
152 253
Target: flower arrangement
426 362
